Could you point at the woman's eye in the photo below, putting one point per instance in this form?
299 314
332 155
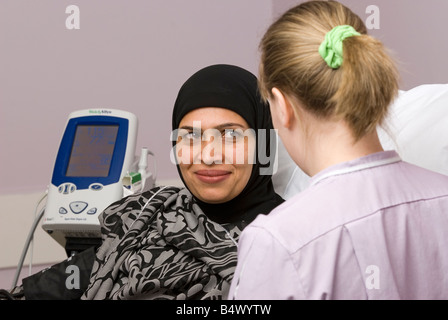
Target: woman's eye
231 135
191 136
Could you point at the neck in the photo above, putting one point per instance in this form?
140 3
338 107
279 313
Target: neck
244 208
331 142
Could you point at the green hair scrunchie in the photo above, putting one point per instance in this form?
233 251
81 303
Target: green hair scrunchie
331 48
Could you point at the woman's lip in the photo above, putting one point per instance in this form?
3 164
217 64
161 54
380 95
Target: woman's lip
212 176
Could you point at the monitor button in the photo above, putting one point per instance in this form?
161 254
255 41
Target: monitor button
96 186
78 206
92 211
67 188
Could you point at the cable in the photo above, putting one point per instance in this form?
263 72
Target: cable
32 238
28 240
6 295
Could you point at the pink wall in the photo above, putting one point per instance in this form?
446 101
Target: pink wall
134 55
131 55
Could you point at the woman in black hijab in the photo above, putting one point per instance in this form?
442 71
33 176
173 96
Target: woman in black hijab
176 243
233 88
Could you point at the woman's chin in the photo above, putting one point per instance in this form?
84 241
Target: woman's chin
214 197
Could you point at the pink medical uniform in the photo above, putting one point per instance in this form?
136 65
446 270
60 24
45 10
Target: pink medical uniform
372 228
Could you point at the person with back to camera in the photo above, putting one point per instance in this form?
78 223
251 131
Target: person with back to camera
369 226
181 243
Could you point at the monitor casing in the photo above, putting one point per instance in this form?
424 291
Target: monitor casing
76 198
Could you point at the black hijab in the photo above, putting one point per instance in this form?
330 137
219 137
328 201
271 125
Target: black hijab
233 88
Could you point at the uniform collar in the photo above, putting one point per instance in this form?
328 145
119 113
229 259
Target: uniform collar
366 162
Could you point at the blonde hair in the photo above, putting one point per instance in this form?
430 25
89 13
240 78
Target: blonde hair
359 92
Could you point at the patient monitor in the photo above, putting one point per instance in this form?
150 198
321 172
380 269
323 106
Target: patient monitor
96 152
95 166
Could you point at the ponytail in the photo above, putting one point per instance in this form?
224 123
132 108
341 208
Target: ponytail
368 84
357 88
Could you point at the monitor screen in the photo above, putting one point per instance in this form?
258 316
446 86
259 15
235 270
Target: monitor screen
92 151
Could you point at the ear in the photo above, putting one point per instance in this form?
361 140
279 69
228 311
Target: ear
283 108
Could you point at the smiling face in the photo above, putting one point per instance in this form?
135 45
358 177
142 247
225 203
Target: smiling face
214 150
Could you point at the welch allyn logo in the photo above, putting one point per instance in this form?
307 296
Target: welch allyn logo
97 111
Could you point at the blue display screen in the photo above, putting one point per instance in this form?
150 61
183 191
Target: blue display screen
92 150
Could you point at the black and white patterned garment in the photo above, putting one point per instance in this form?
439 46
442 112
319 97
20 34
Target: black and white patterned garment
163 248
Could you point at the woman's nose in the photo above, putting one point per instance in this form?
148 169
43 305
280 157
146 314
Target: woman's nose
211 148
